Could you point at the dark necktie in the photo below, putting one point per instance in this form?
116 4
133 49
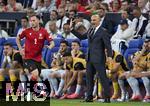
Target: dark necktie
137 24
92 32
61 20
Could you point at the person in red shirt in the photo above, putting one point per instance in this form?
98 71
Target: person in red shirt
34 43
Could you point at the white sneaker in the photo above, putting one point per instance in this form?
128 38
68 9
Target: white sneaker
124 97
100 100
146 100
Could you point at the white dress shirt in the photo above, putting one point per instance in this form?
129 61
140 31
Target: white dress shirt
64 20
134 23
97 28
102 19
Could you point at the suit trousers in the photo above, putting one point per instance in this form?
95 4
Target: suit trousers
92 68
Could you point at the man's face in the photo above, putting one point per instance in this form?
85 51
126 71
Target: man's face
95 20
67 59
124 5
115 4
124 27
47 3
53 15
124 14
34 22
136 13
141 3
63 47
101 13
75 46
71 15
24 22
8 50
146 45
66 29
61 12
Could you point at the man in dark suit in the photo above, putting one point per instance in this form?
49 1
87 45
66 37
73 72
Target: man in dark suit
98 41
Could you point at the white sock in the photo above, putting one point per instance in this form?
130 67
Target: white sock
29 77
54 84
146 82
122 87
23 81
95 90
134 85
40 83
78 88
61 85
68 90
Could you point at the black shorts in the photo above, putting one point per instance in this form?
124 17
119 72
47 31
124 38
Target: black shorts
32 65
78 66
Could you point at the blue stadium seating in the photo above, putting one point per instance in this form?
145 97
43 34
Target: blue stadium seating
2 40
70 40
136 43
134 46
44 51
128 54
11 40
48 57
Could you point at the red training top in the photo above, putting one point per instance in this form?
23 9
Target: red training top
34 42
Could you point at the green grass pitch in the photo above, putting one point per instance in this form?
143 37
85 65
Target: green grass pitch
68 102
77 102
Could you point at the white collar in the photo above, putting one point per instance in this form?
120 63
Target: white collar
97 28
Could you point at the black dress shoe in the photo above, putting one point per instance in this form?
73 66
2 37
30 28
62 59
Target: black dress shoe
106 100
88 100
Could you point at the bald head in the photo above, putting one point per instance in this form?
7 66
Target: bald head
95 20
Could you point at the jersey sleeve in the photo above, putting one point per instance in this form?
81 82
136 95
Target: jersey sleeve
48 36
23 34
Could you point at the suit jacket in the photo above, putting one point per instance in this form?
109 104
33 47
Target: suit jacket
96 45
108 24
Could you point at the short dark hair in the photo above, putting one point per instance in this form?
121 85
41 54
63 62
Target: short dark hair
37 16
137 8
65 42
55 12
73 11
8 44
76 41
25 18
66 24
67 54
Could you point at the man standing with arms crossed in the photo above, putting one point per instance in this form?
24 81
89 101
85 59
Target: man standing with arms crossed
34 43
98 41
